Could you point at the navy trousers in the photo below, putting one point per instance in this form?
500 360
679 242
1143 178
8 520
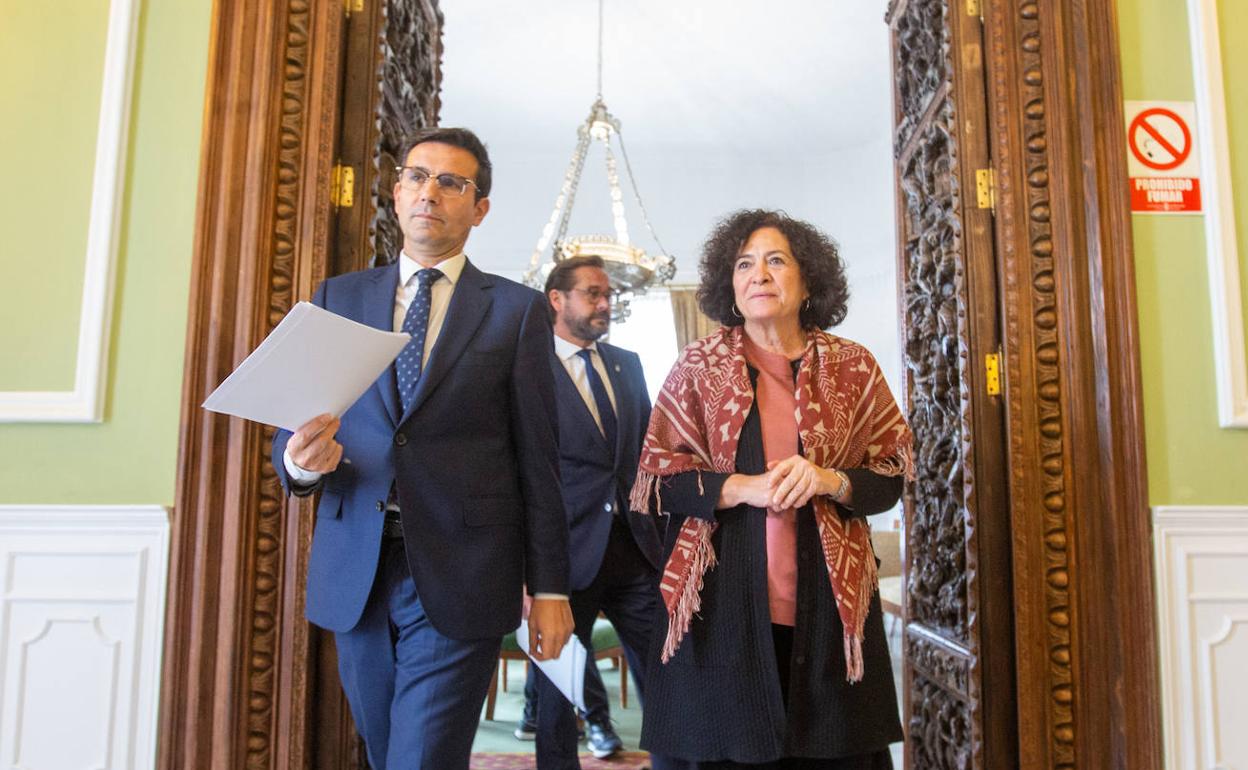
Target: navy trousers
415 694
626 591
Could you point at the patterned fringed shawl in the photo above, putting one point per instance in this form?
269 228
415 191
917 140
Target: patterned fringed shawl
846 418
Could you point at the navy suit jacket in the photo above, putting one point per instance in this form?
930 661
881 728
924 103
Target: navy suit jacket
594 484
474 460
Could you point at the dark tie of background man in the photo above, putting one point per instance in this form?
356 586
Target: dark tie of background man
605 412
416 323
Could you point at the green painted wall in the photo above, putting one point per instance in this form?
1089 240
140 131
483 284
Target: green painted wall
131 456
50 77
1191 460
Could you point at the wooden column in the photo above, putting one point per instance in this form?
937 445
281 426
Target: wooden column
1084 626
236 681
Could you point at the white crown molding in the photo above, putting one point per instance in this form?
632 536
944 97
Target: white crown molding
85 403
1230 367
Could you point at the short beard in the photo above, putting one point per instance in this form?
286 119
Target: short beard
584 329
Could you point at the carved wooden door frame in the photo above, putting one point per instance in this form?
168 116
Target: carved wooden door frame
246 681
239 668
1069 551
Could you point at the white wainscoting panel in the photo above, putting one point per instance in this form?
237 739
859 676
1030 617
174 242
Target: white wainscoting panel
82 601
1202 592
85 403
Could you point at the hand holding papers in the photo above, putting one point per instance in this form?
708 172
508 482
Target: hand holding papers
567 671
314 362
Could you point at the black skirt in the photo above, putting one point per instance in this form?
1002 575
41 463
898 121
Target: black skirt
876 760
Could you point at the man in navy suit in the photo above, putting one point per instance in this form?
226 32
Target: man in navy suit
603 414
439 489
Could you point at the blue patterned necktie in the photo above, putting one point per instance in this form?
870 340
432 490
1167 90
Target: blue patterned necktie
408 365
605 412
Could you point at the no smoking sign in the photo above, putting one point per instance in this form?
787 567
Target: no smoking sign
1162 161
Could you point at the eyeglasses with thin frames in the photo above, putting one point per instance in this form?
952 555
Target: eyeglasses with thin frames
414 178
596 295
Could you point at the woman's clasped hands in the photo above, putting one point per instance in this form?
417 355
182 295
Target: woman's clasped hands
788 483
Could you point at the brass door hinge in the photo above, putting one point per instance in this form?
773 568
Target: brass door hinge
349 6
973 9
985 192
992 374
342 186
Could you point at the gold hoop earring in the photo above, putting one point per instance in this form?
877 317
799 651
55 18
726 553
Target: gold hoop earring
736 312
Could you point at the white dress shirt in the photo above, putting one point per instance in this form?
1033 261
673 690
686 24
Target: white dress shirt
568 354
404 293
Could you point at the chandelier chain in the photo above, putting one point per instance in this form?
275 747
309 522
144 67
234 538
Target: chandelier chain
600 49
582 150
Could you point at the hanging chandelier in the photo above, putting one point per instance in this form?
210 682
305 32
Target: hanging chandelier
630 269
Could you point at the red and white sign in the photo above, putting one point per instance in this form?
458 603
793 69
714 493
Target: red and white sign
1162 159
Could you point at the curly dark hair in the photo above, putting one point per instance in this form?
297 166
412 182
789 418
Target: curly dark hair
817 257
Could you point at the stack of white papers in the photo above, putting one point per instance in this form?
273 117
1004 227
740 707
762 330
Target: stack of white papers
314 362
567 671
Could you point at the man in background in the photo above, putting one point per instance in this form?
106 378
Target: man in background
615 554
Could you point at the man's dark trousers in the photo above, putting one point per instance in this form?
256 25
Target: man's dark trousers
615 553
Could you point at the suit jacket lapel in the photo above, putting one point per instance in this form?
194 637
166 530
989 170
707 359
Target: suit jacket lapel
624 416
469 305
379 314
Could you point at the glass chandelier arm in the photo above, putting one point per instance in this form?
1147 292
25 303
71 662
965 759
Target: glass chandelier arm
617 197
573 179
563 202
632 178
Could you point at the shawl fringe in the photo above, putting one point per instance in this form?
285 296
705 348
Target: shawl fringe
682 607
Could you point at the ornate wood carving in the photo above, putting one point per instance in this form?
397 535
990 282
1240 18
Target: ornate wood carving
396 59
949 305
410 83
1082 563
247 683
936 580
1037 336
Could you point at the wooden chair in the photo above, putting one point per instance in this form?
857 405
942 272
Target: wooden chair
887 546
606 644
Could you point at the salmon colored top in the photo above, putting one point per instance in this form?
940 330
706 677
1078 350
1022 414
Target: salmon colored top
776 402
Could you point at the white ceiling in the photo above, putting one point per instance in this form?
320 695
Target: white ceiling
738 74
724 104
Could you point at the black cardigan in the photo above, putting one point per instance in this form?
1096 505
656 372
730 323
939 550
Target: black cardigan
719 697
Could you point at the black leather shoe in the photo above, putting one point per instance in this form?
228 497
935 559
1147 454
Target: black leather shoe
603 742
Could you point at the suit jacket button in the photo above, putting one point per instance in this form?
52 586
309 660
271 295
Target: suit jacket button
381 505
607 507
400 439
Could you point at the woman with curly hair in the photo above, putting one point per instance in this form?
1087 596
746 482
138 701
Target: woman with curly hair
770 442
